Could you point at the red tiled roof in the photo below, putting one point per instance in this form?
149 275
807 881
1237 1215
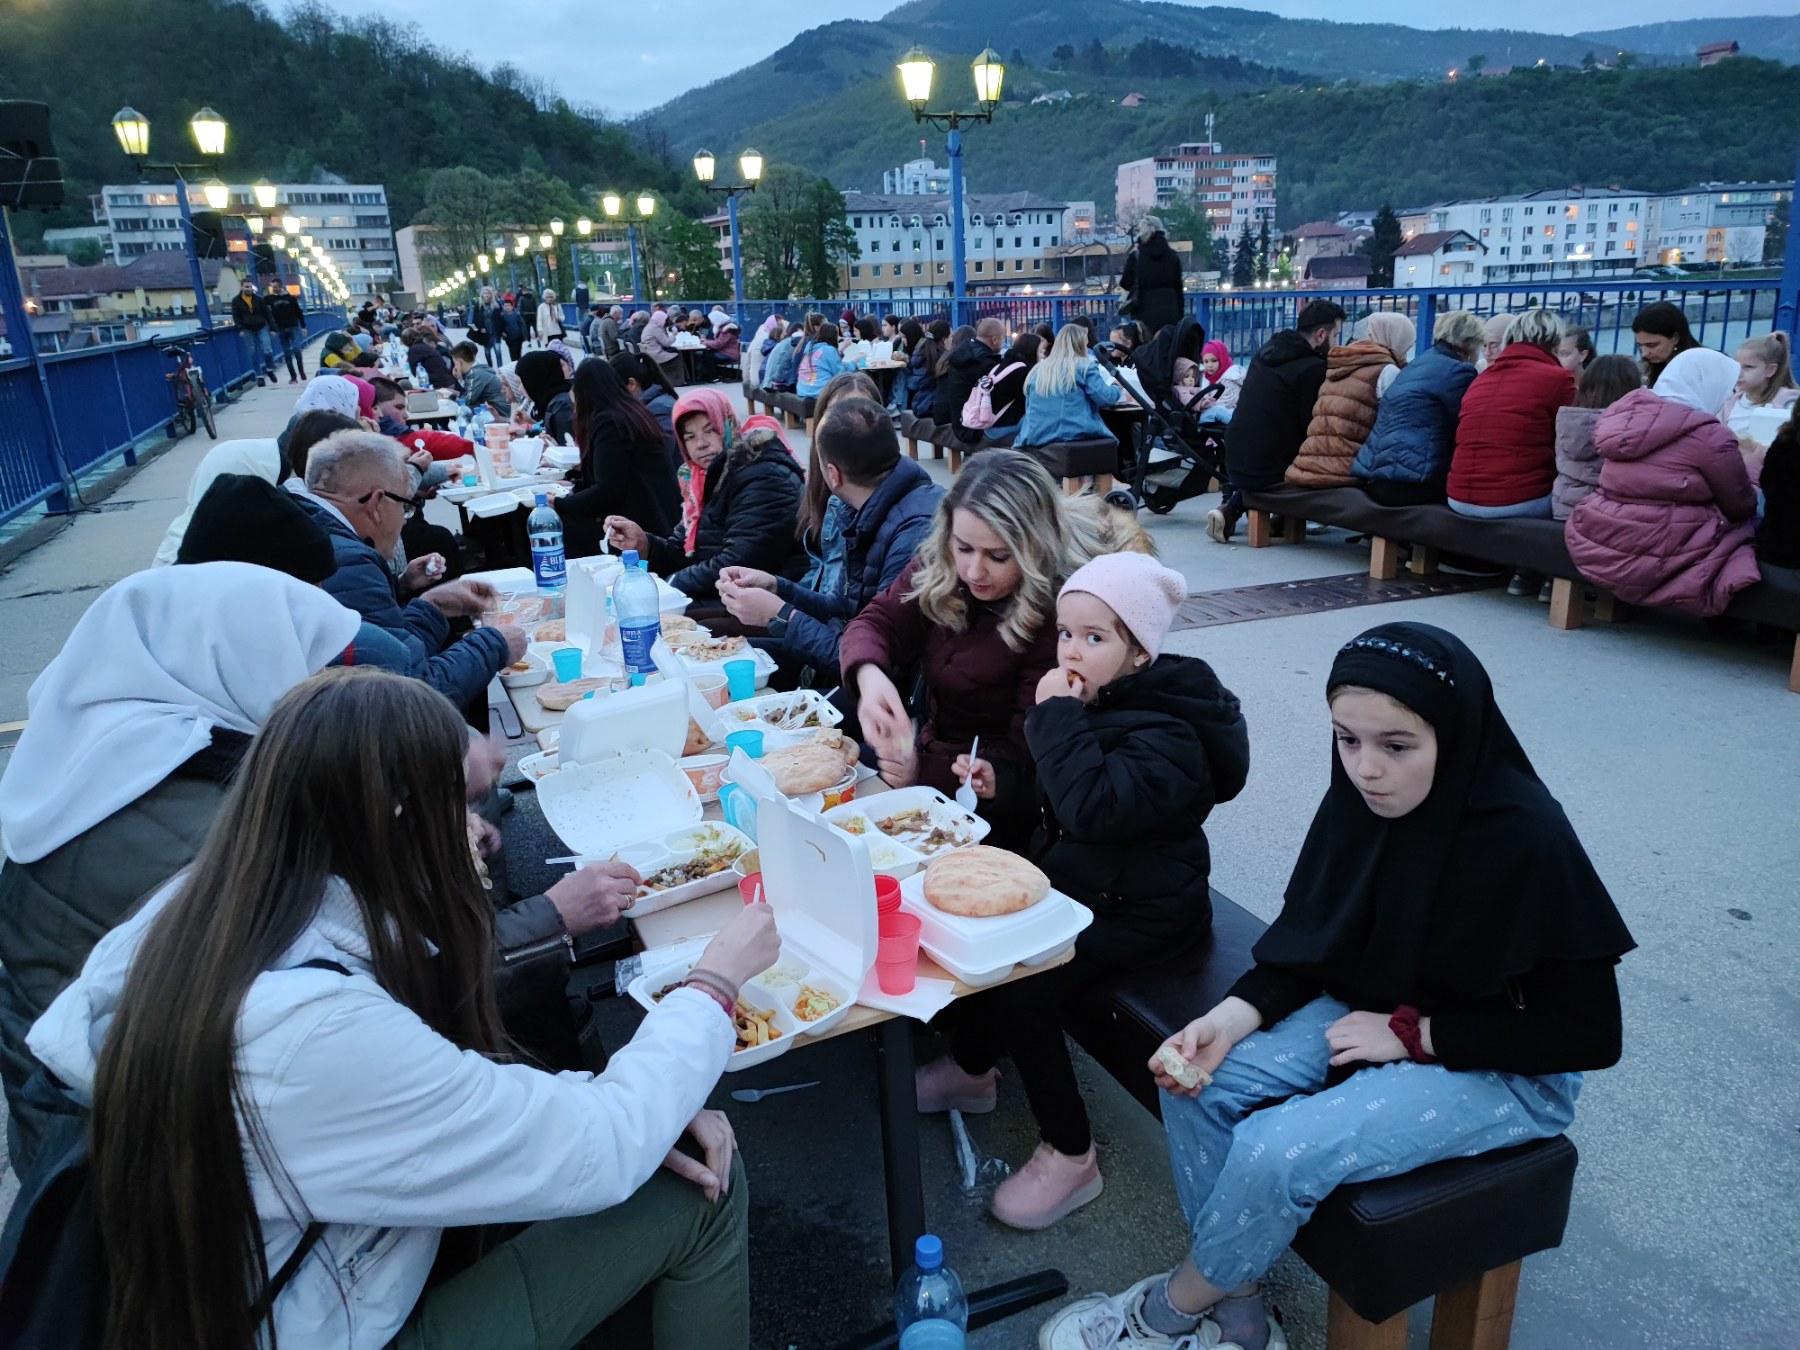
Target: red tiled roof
1337 269
1421 244
1713 48
1320 229
160 271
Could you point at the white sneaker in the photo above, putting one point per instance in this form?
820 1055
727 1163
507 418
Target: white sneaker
1103 1321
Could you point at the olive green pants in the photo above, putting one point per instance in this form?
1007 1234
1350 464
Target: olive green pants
554 1283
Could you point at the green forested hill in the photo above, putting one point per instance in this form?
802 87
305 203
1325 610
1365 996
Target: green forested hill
1345 146
365 100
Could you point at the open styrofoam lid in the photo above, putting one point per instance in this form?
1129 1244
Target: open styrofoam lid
600 807
648 717
820 883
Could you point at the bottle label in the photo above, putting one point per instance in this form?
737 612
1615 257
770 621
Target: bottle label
550 566
636 640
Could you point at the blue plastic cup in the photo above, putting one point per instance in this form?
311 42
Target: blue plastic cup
567 661
750 742
740 681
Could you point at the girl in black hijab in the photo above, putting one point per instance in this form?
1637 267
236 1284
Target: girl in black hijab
1439 978
545 384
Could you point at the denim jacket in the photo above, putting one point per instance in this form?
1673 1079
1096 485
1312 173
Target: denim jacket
1072 415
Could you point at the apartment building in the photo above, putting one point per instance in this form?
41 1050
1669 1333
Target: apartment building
903 240
1231 189
1713 223
350 221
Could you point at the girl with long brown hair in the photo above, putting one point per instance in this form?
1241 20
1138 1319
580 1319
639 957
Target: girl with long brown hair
301 1029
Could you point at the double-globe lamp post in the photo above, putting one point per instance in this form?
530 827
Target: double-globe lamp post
209 132
750 164
612 205
917 74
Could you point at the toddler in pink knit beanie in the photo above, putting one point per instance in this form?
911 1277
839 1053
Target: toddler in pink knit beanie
1136 587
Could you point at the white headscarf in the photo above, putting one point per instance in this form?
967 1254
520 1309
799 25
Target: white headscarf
154 665
1698 378
259 458
327 393
718 318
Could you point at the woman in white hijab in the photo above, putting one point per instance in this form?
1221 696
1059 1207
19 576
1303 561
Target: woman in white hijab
133 732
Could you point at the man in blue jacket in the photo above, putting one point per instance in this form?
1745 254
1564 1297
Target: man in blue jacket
359 492
892 501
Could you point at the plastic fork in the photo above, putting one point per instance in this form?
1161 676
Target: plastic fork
757 1094
965 795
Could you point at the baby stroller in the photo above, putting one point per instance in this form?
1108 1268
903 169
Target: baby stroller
1174 439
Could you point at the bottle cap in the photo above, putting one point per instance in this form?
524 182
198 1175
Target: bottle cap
928 1252
629 557
543 499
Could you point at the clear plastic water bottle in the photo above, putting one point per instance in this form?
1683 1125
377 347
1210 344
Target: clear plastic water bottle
478 423
931 1312
639 610
549 565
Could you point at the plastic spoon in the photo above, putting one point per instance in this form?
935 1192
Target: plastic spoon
757 1094
965 795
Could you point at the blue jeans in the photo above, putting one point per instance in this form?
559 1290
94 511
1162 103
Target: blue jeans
1249 1172
293 350
902 389
262 356
1538 508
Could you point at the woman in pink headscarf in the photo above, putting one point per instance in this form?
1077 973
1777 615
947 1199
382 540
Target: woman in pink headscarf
740 488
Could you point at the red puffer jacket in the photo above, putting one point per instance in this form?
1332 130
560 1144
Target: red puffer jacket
1673 520
1506 435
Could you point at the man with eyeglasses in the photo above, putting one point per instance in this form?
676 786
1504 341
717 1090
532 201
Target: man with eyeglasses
359 490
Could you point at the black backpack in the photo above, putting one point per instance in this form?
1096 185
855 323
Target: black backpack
52 1267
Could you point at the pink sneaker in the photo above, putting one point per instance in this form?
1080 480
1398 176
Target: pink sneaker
1051 1185
943 1086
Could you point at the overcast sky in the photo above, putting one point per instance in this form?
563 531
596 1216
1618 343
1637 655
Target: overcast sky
668 46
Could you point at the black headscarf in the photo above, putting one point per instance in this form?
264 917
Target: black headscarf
243 518
1483 882
542 375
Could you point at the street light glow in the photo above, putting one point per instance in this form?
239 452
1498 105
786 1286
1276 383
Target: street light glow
917 73
217 195
610 203
990 72
133 130
704 165
209 132
264 192
556 226
751 164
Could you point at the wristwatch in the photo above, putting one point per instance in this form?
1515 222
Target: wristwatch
778 624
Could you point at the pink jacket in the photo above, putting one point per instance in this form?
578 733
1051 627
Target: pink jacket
1672 523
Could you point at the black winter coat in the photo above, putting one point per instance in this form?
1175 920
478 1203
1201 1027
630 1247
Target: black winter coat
1778 537
619 475
1126 784
1273 410
249 312
968 363
746 520
427 357
1153 271
286 312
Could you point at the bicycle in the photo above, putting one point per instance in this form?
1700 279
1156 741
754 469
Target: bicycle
193 400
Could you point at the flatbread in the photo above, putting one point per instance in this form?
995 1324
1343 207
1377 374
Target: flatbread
678 623
810 767
557 630
698 742
834 739
983 883
714 649
1185 1072
559 697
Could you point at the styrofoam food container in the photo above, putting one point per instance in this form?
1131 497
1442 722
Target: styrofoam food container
681 846
494 504
539 766
981 951
887 856
536 671
765 664
942 811
762 713
774 997
599 807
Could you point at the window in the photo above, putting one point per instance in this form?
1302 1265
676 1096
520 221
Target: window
1523 253
875 271
856 222
1487 214
1568 232
1531 210
940 268
1052 241
1505 214
1612 208
1018 264
918 268
1037 241
1612 227
1504 250
978 265
1549 231
855 271
937 242
1592 229
896 248
918 245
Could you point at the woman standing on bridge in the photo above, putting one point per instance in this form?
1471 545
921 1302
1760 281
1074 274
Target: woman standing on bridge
1429 990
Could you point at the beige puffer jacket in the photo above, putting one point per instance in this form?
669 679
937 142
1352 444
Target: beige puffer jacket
1343 416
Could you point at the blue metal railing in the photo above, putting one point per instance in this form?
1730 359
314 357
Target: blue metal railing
106 401
1721 313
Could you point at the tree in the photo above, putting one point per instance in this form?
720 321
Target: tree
1243 260
1063 54
1475 63
466 212
684 257
795 236
1381 246
1185 220
1589 61
85 253
1262 249
1094 57
830 242
1776 232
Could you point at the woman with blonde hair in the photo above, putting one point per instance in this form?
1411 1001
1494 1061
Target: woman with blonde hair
1407 455
1356 376
1065 392
974 613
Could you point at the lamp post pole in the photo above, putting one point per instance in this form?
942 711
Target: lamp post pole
637 273
196 276
958 281
737 263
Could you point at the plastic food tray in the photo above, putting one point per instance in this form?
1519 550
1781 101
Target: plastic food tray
679 846
982 951
762 713
765 664
776 997
540 766
942 811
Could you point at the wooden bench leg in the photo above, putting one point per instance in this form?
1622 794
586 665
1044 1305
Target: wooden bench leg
1346 1330
1072 487
1103 484
1477 1315
1384 559
1259 529
1606 607
912 448
1424 560
1794 670
937 451
955 460
789 421
810 423
1566 608
1293 530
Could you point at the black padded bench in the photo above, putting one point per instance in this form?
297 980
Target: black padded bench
1075 461
1525 545
914 429
1456 1230
796 411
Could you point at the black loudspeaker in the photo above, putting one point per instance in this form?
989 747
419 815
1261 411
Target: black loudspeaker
31 176
209 235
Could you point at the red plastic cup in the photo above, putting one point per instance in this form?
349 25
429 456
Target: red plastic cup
897 977
899 938
887 895
747 888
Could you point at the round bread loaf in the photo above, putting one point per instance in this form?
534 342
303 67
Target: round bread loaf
983 883
799 769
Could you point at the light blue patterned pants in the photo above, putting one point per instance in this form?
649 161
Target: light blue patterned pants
1249 1177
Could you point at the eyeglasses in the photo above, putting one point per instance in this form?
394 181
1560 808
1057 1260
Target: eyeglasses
410 504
